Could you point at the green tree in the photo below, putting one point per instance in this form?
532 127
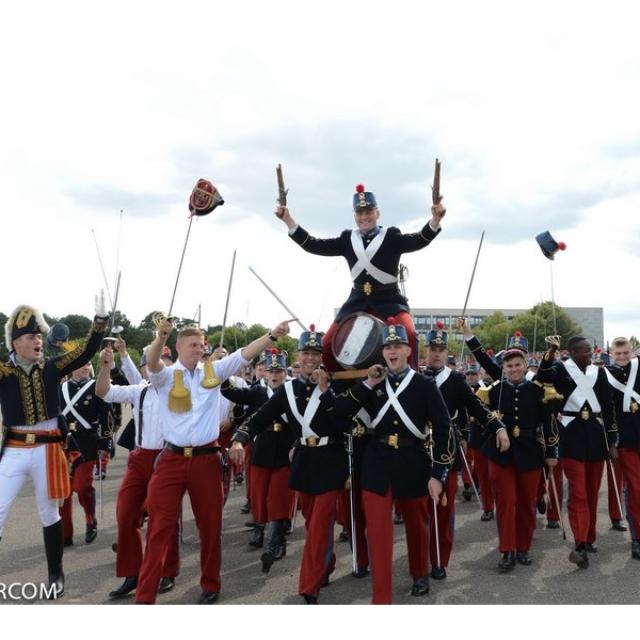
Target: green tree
493 331
4 348
78 325
538 323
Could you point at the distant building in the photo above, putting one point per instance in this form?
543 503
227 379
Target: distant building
589 318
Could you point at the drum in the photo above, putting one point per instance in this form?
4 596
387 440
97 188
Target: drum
357 342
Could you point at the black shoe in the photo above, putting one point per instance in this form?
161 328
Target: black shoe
239 478
114 547
310 599
258 536
91 532
591 548
250 524
325 580
523 558
280 549
343 537
486 516
130 583
618 525
579 557
68 542
54 549
166 584
246 508
508 562
438 573
398 519
467 493
541 505
208 597
361 572
420 587
288 528
635 549
553 524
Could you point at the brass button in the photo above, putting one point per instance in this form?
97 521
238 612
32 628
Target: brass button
395 422
308 388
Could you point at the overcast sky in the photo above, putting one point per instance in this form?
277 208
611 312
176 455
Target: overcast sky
533 115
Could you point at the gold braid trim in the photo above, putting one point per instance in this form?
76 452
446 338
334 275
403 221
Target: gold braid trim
68 357
555 435
27 397
38 392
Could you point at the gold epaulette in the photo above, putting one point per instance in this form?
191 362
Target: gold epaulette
179 396
210 379
483 392
550 393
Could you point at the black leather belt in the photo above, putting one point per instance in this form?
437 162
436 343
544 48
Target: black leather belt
32 438
394 440
585 414
375 287
190 452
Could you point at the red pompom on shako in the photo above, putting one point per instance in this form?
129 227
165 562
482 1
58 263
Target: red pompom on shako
359 188
312 327
489 352
518 334
562 246
440 324
390 320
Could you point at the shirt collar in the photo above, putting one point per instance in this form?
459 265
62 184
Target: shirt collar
369 235
396 377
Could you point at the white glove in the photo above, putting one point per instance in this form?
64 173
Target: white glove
101 310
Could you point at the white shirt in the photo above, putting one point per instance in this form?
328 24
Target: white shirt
200 425
130 370
151 427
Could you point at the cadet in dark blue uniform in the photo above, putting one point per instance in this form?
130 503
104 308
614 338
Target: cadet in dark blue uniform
373 255
319 463
396 463
517 453
270 493
461 403
588 432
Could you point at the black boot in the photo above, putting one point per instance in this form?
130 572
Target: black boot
91 532
467 493
130 583
54 548
508 562
420 586
579 557
246 508
635 549
258 536
281 545
524 558
618 525
486 516
273 534
438 573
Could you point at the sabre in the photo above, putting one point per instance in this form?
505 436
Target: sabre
226 306
466 464
275 295
295 512
435 512
466 300
184 248
354 543
558 506
613 475
104 275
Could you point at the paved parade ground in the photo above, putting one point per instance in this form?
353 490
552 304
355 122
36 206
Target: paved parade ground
613 577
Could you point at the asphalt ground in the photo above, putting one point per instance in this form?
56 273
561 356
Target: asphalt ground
612 578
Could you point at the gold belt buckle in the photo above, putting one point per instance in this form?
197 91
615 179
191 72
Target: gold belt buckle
516 431
584 414
187 452
312 441
392 441
634 406
358 431
277 427
367 288
31 438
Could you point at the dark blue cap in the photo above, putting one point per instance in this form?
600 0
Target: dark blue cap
518 341
276 359
437 338
310 340
363 199
548 245
394 333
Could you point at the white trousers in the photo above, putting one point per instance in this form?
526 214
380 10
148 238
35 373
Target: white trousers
16 465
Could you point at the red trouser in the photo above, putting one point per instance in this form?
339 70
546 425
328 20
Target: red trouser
344 517
378 510
130 507
614 507
201 477
446 522
629 462
552 510
402 318
82 484
584 480
481 464
270 494
515 493
318 559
